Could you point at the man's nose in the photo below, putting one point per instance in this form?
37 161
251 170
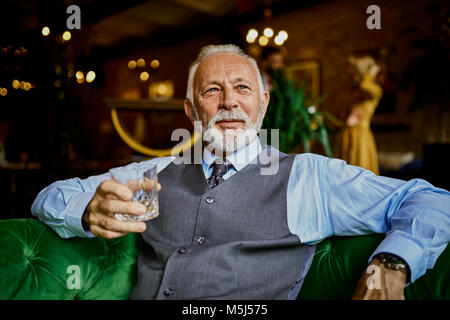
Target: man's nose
229 100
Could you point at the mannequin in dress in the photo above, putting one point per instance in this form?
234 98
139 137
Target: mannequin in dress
356 143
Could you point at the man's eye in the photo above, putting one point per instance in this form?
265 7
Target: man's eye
243 87
211 90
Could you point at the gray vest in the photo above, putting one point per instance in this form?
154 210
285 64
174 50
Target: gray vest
230 242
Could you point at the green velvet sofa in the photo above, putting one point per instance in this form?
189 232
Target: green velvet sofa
35 263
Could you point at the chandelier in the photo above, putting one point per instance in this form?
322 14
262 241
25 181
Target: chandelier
266 36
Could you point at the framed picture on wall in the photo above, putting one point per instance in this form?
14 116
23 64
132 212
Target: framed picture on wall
306 73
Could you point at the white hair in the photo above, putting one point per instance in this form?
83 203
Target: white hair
210 50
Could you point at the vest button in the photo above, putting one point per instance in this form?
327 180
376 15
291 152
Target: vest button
167 292
182 250
209 200
200 240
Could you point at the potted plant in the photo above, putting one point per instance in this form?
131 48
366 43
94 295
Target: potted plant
294 113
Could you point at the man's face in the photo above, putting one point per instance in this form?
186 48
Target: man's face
227 95
227 81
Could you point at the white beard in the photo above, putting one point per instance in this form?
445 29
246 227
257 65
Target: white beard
230 140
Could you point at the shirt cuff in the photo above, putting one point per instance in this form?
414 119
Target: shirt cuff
74 213
400 244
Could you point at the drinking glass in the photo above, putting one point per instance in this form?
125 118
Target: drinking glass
144 188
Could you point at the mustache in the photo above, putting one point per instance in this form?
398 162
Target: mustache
234 114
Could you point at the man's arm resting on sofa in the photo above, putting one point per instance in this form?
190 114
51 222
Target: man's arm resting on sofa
414 215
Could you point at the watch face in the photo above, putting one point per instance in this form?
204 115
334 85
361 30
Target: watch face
392 260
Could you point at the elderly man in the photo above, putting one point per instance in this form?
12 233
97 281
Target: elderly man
226 231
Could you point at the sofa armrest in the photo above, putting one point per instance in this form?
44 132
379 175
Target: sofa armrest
339 263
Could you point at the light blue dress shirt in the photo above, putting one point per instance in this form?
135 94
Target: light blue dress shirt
325 197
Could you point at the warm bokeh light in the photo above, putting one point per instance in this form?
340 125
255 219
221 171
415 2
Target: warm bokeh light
67 35
27 86
80 80
144 76
3 91
283 35
131 64
90 76
252 33
22 84
79 75
154 64
141 63
268 32
45 31
162 89
250 39
16 84
278 40
159 89
263 41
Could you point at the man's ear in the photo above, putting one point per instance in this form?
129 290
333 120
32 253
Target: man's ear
189 110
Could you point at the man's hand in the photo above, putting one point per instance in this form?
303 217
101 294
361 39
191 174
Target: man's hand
380 283
112 197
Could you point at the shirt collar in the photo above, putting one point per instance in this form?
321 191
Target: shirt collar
240 158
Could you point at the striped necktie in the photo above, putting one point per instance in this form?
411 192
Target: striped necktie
220 167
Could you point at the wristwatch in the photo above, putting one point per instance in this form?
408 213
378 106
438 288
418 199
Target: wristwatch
394 262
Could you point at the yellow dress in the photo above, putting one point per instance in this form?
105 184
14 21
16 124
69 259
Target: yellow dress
357 144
